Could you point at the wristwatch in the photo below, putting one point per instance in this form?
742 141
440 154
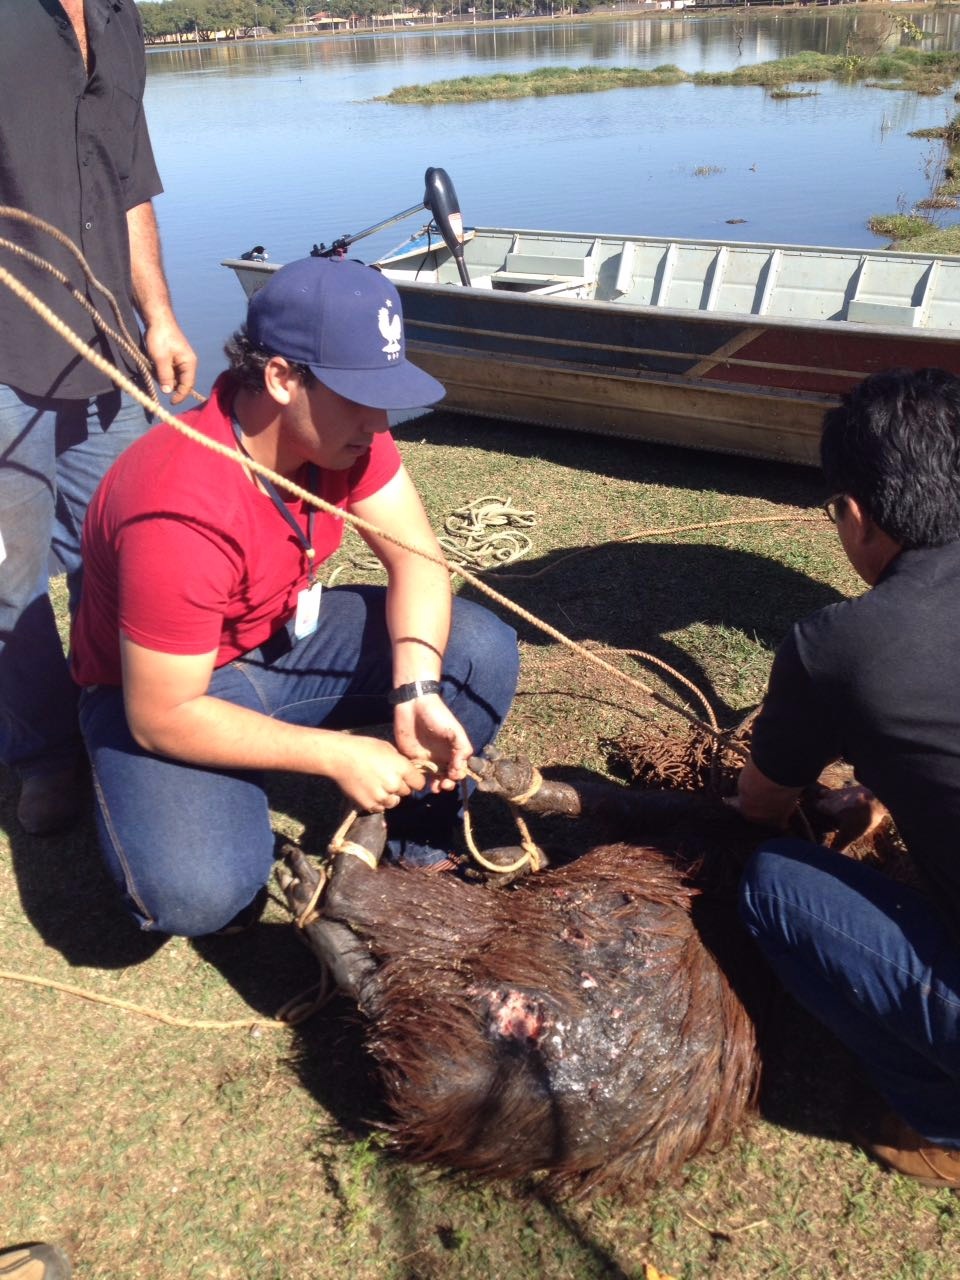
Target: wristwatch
415 689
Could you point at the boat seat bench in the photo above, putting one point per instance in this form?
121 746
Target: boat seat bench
542 269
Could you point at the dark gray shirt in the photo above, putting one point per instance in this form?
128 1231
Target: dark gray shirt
876 681
75 151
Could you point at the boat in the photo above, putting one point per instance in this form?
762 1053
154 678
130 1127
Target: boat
731 346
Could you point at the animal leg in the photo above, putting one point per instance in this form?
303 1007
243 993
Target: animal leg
335 944
518 782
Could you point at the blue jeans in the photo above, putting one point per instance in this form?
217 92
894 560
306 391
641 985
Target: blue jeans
52 456
190 847
875 962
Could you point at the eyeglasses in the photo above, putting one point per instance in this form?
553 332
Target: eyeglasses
831 508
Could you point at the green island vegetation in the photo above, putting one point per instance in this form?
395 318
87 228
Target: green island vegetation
916 69
919 71
916 229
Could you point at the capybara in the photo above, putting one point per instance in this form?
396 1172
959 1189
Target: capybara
588 1020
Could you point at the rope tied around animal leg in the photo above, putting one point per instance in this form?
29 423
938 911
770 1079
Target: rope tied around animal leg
339 844
536 783
533 855
310 912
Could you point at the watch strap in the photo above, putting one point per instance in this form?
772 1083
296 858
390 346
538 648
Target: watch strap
415 689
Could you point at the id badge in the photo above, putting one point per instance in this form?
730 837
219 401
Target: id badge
308 611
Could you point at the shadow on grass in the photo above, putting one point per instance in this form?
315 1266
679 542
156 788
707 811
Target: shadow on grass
629 460
811 1084
637 595
67 895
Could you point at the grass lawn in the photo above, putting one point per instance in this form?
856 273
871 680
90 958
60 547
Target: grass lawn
152 1152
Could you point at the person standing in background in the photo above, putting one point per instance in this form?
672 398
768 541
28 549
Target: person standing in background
74 151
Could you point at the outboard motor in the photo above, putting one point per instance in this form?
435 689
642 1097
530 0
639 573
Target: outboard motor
441 199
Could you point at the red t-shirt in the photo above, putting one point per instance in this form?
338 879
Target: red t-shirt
184 555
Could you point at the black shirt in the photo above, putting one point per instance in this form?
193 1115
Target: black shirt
75 151
876 681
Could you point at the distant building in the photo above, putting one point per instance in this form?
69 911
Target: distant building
315 24
404 16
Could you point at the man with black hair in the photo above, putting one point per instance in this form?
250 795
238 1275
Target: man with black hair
875 681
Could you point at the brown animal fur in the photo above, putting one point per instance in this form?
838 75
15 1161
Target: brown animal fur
574 1022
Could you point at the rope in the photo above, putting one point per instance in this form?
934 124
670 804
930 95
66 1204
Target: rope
123 339
532 853
306 1004
481 534
310 912
194 1024
531 791
339 845
306 496
682 679
356 521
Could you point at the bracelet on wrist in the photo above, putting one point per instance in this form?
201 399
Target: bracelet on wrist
415 689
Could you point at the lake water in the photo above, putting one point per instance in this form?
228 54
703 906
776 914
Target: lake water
280 142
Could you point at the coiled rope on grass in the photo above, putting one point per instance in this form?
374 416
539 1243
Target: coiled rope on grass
486 533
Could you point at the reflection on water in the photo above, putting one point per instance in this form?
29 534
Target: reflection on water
281 142
694 43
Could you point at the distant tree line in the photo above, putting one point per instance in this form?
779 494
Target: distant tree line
204 18
238 18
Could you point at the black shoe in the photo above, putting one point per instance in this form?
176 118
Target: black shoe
52 802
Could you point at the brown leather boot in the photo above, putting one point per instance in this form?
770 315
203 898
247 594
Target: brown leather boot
51 802
901 1148
34 1262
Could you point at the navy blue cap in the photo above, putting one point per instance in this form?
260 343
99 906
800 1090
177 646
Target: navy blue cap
342 319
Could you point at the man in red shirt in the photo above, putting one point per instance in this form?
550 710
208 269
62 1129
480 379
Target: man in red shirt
205 649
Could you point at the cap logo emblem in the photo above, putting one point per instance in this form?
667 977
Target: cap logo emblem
391 330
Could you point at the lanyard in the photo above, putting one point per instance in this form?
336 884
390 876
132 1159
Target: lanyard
304 539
